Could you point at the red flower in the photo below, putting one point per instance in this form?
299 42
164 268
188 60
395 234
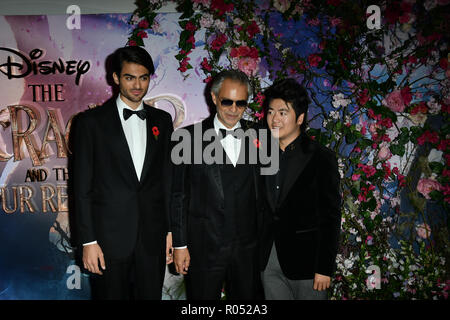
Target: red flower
443 63
443 145
155 131
142 34
334 2
190 27
363 97
143 24
257 143
218 42
221 6
132 43
406 95
428 136
205 65
253 29
314 59
420 108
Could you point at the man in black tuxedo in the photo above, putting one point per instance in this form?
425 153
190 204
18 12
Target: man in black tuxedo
302 231
215 206
121 182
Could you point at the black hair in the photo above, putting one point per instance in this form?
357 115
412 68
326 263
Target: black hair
132 54
290 91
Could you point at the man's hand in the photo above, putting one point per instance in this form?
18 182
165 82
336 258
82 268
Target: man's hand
321 282
169 249
182 260
92 255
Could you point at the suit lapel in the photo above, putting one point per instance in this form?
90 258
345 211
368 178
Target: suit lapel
213 169
115 131
302 158
150 149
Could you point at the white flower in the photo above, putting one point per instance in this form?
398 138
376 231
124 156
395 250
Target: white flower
433 106
238 21
430 4
206 20
339 100
334 115
220 25
435 156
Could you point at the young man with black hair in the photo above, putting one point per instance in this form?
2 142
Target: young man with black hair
301 233
121 182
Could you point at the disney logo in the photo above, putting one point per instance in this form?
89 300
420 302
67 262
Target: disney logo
19 66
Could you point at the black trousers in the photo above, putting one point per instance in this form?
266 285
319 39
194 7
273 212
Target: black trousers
236 270
137 277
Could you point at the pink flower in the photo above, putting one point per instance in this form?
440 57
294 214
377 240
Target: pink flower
425 186
314 60
355 176
423 230
248 65
259 115
259 98
314 22
335 21
384 153
394 101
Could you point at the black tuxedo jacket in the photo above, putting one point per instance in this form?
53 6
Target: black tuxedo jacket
305 224
198 205
111 204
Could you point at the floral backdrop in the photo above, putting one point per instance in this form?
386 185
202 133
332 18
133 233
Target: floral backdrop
378 76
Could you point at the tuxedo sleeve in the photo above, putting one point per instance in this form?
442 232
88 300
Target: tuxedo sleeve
179 204
168 172
329 214
83 159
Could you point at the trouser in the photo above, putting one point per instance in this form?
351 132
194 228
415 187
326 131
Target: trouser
235 270
278 287
139 276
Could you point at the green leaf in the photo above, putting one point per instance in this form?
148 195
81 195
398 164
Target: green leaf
397 149
436 167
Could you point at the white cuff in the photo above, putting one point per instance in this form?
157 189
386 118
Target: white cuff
86 244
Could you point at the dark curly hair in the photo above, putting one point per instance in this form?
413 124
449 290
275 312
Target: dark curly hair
290 91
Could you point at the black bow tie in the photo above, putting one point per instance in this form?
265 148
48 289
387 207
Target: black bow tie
225 132
128 113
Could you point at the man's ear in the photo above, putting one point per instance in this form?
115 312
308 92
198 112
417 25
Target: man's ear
214 98
116 78
300 119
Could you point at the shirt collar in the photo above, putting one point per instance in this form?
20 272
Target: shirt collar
219 125
122 105
294 145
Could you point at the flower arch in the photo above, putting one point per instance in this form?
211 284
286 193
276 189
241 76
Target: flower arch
378 77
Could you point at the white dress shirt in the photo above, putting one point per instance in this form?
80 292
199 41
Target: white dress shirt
135 130
230 144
